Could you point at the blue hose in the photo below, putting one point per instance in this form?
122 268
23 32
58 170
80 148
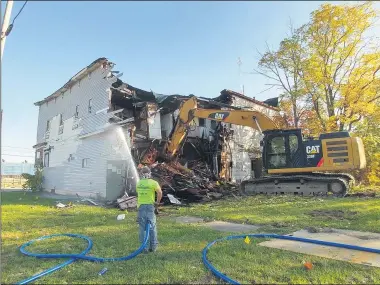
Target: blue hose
74 257
229 280
207 263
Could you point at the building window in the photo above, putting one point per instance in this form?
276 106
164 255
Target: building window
38 159
48 125
85 162
201 122
76 115
60 128
89 105
47 132
46 159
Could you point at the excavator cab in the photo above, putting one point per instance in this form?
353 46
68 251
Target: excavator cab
283 149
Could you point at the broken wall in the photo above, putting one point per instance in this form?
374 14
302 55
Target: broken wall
144 115
153 120
244 140
166 124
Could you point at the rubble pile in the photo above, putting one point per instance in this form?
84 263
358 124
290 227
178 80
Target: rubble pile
194 184
127 202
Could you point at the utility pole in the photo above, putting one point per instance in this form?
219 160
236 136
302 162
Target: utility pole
5 24
4 27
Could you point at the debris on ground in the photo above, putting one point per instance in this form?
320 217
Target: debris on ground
60 205
195 184
308 265
103 271
173 199
127 202
90 201
181 185
120 217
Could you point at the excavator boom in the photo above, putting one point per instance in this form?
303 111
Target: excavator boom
189 111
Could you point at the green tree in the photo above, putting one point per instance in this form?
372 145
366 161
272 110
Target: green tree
328 73
341 71
369 130
34 182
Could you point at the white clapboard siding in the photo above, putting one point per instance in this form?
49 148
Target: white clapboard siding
65 173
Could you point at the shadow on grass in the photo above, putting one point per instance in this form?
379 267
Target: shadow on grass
25 198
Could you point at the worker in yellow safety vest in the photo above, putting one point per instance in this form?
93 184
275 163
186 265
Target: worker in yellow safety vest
146 189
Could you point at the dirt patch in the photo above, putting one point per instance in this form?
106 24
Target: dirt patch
333 214
188 220
319 230
207 279
230 227
366 194
366 237
280 225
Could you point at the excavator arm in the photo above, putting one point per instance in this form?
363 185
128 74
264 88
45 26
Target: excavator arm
189 111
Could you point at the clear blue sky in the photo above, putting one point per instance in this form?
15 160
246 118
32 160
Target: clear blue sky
169 47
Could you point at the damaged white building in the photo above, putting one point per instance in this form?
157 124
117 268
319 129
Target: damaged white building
85 126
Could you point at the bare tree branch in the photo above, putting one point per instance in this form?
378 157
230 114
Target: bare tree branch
266 89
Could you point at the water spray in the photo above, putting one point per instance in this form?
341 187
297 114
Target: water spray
127 153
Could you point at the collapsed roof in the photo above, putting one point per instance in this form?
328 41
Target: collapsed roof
128 96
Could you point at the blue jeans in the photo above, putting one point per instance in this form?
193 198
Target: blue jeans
146 214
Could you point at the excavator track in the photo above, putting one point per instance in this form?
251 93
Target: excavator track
313 184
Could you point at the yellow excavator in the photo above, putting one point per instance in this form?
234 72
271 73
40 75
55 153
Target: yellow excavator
292 164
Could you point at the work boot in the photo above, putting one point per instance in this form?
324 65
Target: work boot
152 250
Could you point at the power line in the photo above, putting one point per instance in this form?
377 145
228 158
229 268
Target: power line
16 155
19 12
8 146
10 27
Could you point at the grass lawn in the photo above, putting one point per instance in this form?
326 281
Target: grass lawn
26 217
